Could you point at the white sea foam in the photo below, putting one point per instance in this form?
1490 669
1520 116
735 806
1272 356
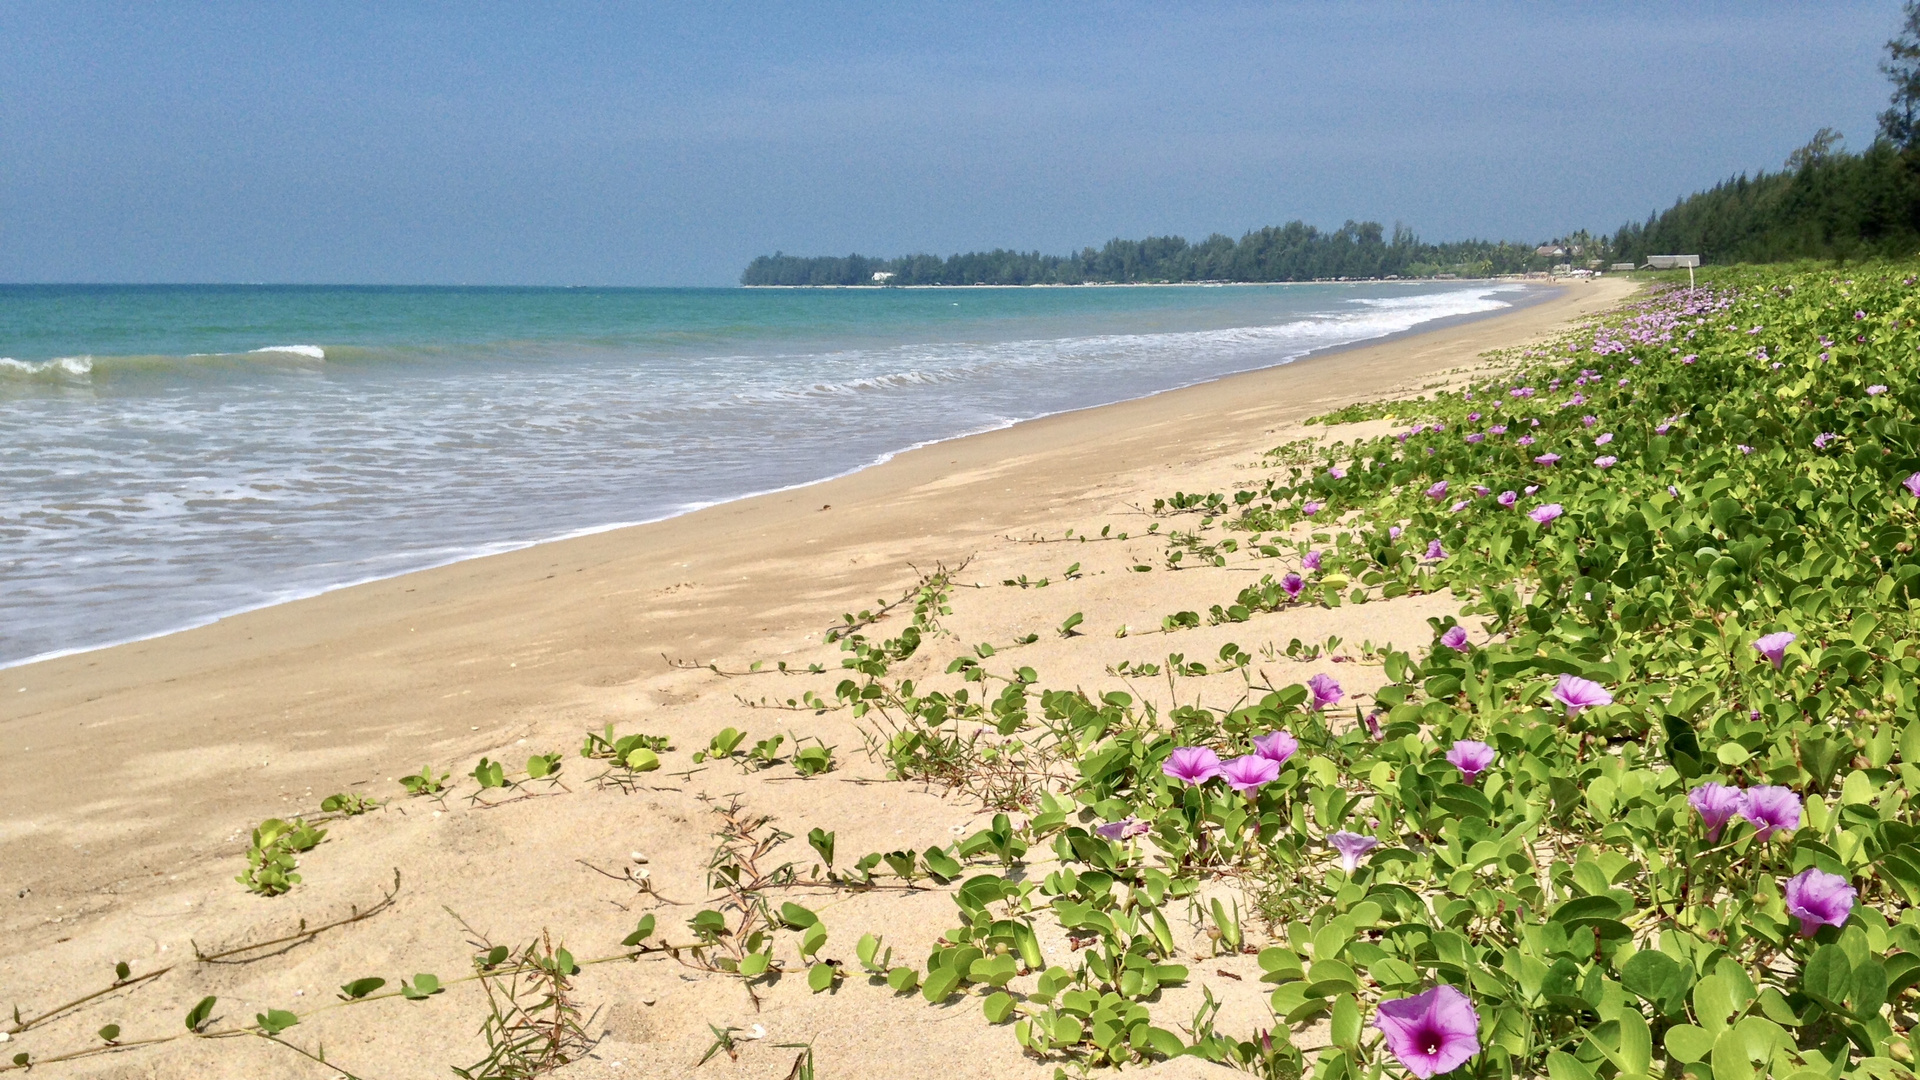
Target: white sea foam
314 352
76 366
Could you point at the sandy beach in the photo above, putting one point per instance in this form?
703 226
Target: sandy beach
136 772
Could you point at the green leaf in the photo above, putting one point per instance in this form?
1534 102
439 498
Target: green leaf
641 932
1729 1057
1828 976
796 917
1346 1022
998 1006
1688 1043
820 977
1564 1066
109 1033
641 759
275 1021
1636 1043
360 988
940 985
754 965
941 865
902 979
1657 978
198 1016
421 988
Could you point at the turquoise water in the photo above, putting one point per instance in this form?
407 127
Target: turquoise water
172 454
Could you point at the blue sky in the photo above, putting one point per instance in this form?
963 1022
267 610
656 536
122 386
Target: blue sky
574 143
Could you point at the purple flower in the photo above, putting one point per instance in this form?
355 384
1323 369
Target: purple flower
1455 638
1508 498
1276 746
1435 551
1521 391
1431 1033
1690 358
1471 757
1821 440
1771 809
1525 440
1482 490
1577 693
1743 448
1337 473
1623 382
1325 691
1310 508
1606 461
1662 429
1603 440
1244 774
1876 390
1459 506
1673 491
1393 531
1912 484
1352 848
1819 899
1472 416
1310 561
1530 489
1589 421
1437 491
1545 513
1548 460
1293 584
1774 647
1193 764
1476 437
1373 726
1125 829
1716 805
1497 429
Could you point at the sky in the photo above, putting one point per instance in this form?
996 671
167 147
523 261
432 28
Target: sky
620 144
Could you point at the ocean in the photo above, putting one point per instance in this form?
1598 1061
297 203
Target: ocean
173 454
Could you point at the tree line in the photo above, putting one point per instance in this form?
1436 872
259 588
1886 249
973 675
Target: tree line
1292 252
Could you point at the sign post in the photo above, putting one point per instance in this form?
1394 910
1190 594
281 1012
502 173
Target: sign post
1674 262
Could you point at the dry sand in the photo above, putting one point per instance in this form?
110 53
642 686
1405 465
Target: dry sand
134 774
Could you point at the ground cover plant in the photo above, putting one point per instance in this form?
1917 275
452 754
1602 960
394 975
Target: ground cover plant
1652 813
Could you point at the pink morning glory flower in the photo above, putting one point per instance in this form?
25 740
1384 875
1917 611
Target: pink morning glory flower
1482 490
1525 440
1589 421
1437 491
1606 461
1819 899
1743 448
1459 506
1662 429
1431 1033
1352 848
1530 489
1876 390
1771 810
1716 804
1435 551
1125 829
1821 440
1476 437
1276 746
1325 691
1912 484
1546 513
1393 531
1247 773
1603 440
1472 416
1293 583
1774 647
1497 429
1577 693
1310 561
1193 764
1507 499
1455 638
1471 757
1310 508
1337 473
1548 460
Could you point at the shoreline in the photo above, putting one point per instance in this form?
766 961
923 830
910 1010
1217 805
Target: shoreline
490 549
